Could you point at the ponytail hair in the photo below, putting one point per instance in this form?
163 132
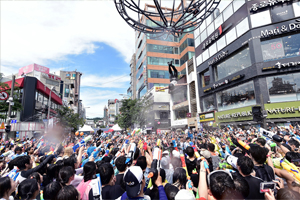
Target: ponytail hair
65 174
27 188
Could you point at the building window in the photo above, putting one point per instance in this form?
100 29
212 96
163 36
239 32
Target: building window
260 19
52 82
235 63
45 101
158 74
284 88
284 47
159 61
181 113
163 115
186 57
236 97
160 48
209 103
185 44
242 27
205 77
296 7
143 92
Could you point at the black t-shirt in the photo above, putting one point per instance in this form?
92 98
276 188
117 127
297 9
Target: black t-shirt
120 181
112 192
190 165
264 172
254 187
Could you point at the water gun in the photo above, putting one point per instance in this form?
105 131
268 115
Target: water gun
191 143
7 153
82 142
174 144
158 142
106 153
290 167
190 187
40 143
227 150
42 195
196 152
243 144
205 164
49 153
276 163
131 153
112 162
183 164
145 146
225 165
291 127
13 174
229 139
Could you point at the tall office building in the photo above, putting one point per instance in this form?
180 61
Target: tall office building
153 54
131 92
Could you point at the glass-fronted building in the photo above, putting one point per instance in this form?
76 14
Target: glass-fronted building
153 54
247 54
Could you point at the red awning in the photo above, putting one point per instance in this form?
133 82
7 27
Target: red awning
109 130
18 83
45 90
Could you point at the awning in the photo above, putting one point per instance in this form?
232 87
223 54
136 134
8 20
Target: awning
85 128
44 89
109 130
18 83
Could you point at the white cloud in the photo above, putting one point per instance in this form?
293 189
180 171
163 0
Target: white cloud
96 100
42 31
120 81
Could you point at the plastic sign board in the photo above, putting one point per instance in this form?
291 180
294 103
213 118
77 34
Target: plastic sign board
4 95
2 126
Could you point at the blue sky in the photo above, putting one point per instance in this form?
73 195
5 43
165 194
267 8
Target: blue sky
89 36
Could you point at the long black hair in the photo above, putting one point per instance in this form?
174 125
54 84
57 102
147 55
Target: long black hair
5 185
68 192
89 170
65 174
51 190
27 188
180 176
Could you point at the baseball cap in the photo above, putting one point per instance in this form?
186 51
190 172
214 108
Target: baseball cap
206 154
133 180
184 194
176 154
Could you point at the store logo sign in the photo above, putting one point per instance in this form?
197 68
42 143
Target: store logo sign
219 57
263 4
283 29
235 115
283 110
215 36
280 65
225 82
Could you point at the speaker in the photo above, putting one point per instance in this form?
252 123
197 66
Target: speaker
257 113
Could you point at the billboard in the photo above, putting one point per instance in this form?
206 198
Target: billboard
29 68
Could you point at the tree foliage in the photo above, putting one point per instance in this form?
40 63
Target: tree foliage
4 105
133 111
69 119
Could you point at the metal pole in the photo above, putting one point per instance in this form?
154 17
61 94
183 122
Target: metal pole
10 100
49 103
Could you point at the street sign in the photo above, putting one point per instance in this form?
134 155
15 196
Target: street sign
2 126
4 95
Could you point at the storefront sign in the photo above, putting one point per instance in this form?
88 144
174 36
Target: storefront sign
235 115
283 109
215 36
52 77
281 30
30 68
159 89
269 3
239 114
280 65
207 117
225 82
219 57
180 122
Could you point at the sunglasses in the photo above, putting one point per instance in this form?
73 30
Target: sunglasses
224 171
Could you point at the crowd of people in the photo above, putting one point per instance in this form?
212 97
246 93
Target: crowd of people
227 163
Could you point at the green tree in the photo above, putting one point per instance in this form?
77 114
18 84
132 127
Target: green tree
69 119
133 111
17 100
127 113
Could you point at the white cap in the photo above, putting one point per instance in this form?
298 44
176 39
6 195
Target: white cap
184 194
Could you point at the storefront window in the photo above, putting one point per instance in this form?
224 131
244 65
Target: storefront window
208 103
179 96
160 48
158 74
239 96
284 87
205 77
235 63
45 101
160 61
181 113
284 47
